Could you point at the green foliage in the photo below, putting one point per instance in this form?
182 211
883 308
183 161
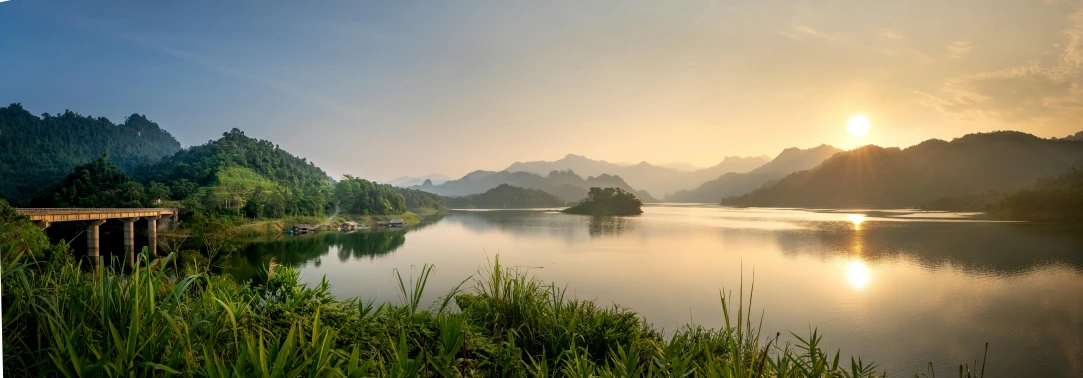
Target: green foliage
418 199
216 234
506 196
608 201
359 196
98 184
241 176
158 320
19 236
35 151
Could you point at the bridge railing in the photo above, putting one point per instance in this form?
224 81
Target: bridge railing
58 210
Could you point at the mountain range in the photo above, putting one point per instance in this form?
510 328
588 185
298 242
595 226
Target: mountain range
566 184
731 184
657 180
878 177
408 181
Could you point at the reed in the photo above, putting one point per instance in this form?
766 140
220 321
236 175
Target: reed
158 320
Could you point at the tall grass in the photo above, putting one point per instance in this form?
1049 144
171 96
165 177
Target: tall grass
157 320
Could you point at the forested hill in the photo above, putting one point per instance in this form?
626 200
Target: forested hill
880 177
240 170
566 185
733 184
37 151
505 197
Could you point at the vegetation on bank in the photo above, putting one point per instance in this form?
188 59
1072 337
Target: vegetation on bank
36 151
165 318
505 196
1057 199
608 201
250 184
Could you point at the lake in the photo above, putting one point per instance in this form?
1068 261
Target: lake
902 288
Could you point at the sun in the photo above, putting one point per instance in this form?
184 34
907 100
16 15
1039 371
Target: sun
858 125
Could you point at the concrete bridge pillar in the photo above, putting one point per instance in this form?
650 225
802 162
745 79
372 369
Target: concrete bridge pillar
129 241
42 224
92 236
152 235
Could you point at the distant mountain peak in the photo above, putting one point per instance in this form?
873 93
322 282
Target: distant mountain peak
1076 136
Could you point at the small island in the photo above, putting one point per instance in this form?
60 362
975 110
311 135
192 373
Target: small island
608 201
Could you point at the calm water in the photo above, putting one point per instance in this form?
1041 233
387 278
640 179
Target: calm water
894 287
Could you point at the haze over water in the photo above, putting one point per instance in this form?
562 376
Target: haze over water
896 287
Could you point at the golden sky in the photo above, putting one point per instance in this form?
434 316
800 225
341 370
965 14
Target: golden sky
458 86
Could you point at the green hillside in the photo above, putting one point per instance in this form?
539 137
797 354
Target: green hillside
238 175
35 152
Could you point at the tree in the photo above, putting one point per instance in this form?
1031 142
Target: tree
95 184
18 235
608 201
35 152
363 197
216 234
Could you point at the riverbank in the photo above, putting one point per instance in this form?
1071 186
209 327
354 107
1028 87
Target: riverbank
279 226
502 323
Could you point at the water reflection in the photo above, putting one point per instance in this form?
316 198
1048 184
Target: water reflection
297 251
977 247
857 274
856 219
608 225
939 289
538 223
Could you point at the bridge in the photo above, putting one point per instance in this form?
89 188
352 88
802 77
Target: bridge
43 217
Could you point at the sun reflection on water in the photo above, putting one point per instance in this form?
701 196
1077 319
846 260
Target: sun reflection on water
858 274
856 219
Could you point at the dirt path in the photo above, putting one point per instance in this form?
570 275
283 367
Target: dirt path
330 218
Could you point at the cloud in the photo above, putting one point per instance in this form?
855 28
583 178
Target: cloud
1037 94
889 34
1073 51
960 49
802 31
1024 94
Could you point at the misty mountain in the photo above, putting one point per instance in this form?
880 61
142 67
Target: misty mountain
505 197
566 185
407 181
1076 136
655 179
683 167
732 184
878 177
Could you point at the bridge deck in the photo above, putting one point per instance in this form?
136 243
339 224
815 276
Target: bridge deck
69 214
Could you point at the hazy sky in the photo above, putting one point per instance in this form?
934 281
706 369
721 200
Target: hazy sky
453 86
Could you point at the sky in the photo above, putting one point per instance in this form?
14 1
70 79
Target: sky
411 88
